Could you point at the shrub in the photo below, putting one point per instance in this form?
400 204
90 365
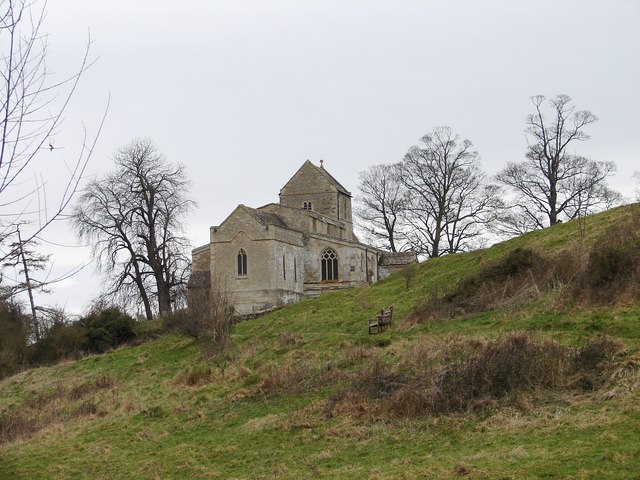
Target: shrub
61 341
611 262
516 262
502 372
108 328
612 268
85 408
595 354
194 376
208 319
511 364
514 278
16 425
13 338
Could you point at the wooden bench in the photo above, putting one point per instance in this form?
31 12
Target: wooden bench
381 321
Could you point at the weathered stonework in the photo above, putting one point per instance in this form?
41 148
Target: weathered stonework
289 247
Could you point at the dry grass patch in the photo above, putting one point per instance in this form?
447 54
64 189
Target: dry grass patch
52 407
605 273
289 338
194 376
515 370
257 424
297 374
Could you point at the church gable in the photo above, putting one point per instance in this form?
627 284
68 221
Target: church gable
247 220
308 179
313 188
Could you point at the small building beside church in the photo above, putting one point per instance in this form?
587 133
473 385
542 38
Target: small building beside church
277 254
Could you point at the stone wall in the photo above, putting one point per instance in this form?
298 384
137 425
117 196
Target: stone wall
269 281
200 259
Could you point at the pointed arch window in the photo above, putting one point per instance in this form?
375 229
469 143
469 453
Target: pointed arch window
242 263
329 264
306 205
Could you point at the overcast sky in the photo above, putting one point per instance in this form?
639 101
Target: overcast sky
243 92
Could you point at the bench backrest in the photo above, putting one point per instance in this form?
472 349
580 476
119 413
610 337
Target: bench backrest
386 314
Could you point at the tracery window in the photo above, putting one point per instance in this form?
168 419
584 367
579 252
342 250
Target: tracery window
329 264
306 205
242 263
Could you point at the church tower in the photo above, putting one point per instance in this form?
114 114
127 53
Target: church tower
313 188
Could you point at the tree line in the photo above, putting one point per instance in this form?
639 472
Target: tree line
438 200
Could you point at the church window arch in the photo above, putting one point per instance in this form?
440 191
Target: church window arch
329 265
242 263
307 205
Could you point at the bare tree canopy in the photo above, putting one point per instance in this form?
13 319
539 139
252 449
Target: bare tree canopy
381 202
32 106
133 218
553 183
450 198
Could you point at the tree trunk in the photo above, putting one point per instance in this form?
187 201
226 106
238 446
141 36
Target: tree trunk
27 280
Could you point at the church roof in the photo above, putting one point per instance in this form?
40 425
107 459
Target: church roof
266 218
263 218
320 170
398 258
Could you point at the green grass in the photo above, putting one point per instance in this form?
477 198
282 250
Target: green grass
149 424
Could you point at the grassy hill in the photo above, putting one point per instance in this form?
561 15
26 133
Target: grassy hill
517 361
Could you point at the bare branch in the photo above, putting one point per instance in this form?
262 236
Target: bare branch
450 198
133 218
552 184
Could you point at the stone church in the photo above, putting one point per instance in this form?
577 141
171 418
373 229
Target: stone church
279 253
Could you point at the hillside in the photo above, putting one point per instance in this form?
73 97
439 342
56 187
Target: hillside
517 361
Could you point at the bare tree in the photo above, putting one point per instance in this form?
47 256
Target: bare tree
381 202
33 103
636 179
553 183
133 218
32 106
450 197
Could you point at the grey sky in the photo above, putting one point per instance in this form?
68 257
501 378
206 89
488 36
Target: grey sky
242 92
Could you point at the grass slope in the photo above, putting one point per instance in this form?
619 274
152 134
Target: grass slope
159 410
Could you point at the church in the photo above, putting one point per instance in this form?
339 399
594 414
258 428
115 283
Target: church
277 254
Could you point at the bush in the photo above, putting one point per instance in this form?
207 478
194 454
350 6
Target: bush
61 341
512 364
514 278
107 329
516 262
16 425
502 372
612 268
595 354
208 319
13 339
611 263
